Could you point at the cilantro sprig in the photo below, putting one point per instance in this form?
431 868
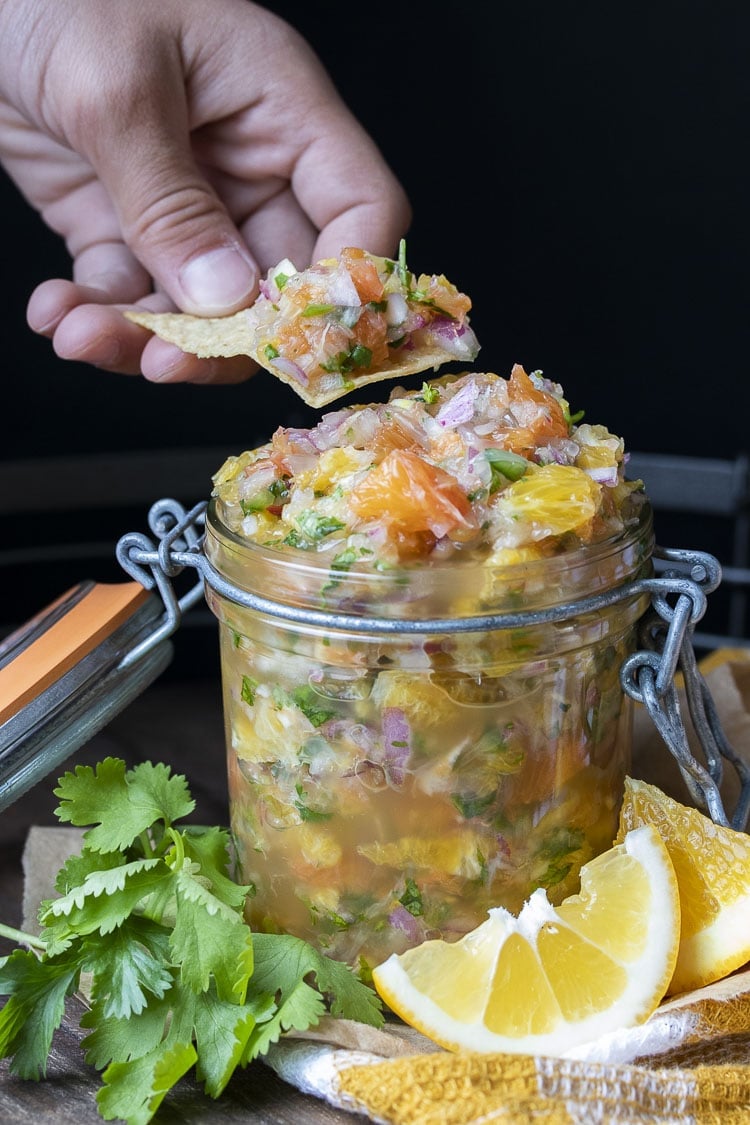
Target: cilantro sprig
177 978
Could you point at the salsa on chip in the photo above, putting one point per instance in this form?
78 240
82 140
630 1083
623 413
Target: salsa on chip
340 324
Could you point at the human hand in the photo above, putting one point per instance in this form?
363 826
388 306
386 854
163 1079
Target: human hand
180 149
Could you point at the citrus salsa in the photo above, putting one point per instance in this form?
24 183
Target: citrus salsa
388 788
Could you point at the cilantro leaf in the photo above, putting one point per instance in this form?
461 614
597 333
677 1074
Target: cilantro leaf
117 1039
301 1008
282 960
429 394
127 965
37 991
122 804
222 1033
104 900
315 526
411 899
208 938
76 868
209 847
311 705
135 1090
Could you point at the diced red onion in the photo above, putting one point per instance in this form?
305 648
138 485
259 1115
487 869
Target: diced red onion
457 339
415 321
606 474
401 919
287 367
258 477
325 434
269 289
561 452
362 427
397 743
300 440
459 408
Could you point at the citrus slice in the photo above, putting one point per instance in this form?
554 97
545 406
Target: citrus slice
553 499
713 876
551 978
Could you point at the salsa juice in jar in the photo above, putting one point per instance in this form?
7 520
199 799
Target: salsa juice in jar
390 786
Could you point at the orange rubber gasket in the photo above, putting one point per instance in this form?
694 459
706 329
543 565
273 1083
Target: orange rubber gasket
86 624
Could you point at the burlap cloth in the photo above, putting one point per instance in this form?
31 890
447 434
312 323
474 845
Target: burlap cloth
689 1063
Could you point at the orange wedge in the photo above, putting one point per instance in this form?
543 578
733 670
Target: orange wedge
551 978
713 875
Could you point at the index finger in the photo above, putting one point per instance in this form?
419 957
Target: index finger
343 182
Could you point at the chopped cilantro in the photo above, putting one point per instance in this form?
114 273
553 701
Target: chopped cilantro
472 804
403 272
342 562
279 489
309 703
294 539
412 898
249 688
358 356
317 310
315 526
304 810
271 352
429 393
377 306
281 280
573 419
556 851
345 560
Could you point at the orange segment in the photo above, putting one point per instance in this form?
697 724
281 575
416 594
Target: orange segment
713 875
413 498
552 500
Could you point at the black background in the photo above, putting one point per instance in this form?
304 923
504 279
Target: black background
580 169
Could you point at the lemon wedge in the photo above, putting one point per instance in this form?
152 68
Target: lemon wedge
550 978
713 876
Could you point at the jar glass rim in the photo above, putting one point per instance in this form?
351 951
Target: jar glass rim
298 576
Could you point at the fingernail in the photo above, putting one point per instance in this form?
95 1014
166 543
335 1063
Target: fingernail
218 281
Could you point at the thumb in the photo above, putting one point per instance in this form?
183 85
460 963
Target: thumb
170 217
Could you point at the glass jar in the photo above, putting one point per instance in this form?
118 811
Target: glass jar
390 786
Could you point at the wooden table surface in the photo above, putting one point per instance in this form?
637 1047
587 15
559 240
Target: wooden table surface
181 724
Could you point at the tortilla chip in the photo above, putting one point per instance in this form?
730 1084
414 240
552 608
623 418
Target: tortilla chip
251 332
204 336
208 337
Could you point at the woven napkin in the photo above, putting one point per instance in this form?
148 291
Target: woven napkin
689 1063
